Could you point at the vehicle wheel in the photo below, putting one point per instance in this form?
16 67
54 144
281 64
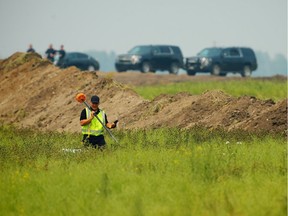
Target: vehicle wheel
146 67
246 71
216 70
91 68
174 68
191 72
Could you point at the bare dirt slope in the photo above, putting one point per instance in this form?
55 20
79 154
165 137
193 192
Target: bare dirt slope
35 93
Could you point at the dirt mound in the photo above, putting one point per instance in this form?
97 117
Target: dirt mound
37 94
212 109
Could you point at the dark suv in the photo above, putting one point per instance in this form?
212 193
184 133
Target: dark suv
151 58
79 60
220 61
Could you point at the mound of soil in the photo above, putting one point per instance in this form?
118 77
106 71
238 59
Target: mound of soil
37 94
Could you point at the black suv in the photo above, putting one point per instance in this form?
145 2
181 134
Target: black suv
79 60
151 58
220 61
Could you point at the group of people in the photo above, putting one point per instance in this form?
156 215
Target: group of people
50 52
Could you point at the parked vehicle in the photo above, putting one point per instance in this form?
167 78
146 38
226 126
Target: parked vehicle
79 60
151 58
220 61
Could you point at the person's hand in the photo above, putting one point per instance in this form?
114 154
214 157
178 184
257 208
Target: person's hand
112 125
109 125
92 115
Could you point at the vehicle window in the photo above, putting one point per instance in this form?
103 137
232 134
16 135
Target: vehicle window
226 53
234 53
176 50
72 56
82 56
209 52
248 52
231 53
155 50
165 50
140 50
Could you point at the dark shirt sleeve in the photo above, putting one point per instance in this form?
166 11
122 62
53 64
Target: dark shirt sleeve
106 119
83 115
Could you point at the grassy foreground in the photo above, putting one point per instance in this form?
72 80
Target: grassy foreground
160 172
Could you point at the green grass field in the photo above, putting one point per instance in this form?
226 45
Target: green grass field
261 89
160 172
153 172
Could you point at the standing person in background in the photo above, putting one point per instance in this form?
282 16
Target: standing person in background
30 49
61 54
50 53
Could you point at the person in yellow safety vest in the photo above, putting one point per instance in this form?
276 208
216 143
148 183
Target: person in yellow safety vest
92 129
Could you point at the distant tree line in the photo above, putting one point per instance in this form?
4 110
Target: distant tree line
267 66
106 59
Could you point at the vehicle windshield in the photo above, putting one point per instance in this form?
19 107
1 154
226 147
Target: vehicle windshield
140 50
209 52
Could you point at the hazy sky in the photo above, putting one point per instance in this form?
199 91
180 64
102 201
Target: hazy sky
118 25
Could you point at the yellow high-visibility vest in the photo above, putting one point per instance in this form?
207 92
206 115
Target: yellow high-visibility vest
94 128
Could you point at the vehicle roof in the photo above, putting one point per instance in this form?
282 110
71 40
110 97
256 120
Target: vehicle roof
158 45
228 47
75 53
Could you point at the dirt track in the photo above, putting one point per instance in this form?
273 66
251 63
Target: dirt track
37 94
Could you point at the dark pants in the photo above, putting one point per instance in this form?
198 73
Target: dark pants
94 141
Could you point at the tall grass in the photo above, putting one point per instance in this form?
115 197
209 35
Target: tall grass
160 172
262 89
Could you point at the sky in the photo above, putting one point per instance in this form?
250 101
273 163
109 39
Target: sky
119 25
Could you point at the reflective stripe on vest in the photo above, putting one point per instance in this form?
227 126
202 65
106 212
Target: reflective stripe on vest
94 128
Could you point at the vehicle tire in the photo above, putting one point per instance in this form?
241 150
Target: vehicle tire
146 67
246 71
191 72
174 68
216 70
91 68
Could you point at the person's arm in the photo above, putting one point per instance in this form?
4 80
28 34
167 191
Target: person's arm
83 118
53 53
